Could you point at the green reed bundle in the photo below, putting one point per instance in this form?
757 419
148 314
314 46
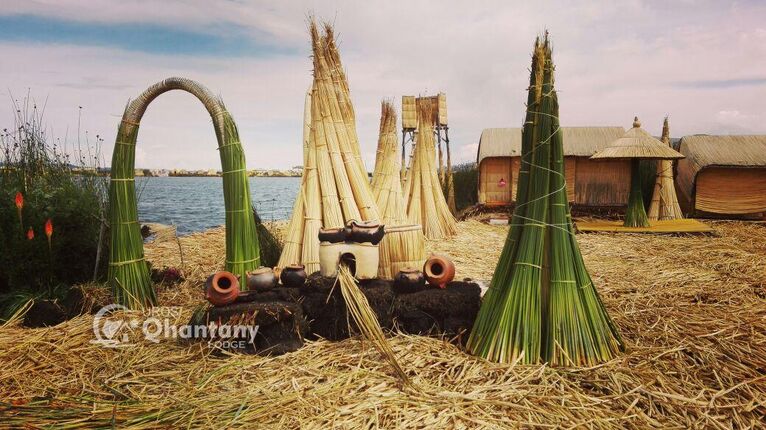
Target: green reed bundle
242 245
541 304
128 271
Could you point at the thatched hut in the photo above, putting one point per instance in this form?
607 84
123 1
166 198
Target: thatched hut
589 183
723 175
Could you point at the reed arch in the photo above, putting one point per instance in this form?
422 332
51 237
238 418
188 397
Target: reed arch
128 271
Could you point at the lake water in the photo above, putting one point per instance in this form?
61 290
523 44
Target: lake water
196 203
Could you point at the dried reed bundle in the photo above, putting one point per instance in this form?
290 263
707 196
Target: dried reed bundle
541 304
365 319
402 246
335 188
422 189
293 241
128 272
664 205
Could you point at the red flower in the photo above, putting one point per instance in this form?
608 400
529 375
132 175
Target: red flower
49 228
30 234
19 205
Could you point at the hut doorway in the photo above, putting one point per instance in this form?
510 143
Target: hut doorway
496 181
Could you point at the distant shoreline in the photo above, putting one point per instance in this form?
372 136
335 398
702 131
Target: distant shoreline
164 173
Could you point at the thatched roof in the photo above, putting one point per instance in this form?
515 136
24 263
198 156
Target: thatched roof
578 141
637 143
703 151
732 151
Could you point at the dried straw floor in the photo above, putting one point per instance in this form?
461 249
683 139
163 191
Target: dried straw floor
686 225
692 310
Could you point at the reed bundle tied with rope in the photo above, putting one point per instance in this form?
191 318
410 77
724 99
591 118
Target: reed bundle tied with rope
335 188
541 305
664 205
422 189
128 271
403 245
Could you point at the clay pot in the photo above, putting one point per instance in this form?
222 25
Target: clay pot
366 232
439 270
261 279
221 288
332 235
293 276
409 280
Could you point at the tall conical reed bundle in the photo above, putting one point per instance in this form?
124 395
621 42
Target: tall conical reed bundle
292 249
423 192
664 205
541 304
402 246
335 188
128 272
366 321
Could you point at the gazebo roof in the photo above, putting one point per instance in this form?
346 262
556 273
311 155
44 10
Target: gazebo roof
637 143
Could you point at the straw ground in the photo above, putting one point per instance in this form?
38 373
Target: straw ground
691 309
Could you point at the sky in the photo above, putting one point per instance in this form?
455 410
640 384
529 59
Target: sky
702 62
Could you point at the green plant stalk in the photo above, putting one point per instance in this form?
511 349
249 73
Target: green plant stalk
242 246
635 214
541 305
128 272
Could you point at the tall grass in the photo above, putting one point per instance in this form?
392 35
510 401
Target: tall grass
56 181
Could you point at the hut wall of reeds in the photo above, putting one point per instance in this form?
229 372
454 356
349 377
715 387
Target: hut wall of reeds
722 175
589 183
409 115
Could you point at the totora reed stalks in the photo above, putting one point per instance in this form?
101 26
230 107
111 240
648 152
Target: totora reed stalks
541 305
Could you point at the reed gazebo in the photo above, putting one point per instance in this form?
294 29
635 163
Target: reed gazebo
636 145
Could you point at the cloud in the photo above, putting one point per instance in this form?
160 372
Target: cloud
614 61
722 83
212 40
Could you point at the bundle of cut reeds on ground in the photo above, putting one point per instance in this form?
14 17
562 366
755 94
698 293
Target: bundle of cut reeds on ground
403 245
541 305
335 188
422 190
664 205
128 272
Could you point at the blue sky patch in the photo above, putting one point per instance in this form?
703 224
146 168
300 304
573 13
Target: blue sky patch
223 40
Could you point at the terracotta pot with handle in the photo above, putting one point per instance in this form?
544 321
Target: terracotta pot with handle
439 270
221 288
